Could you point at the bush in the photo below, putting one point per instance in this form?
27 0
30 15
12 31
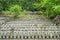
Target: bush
57 9
16 9
48 8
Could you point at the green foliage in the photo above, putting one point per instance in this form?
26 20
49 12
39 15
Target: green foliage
16 9
57 9
1 8
48 8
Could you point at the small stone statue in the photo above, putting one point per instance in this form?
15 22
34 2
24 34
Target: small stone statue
56 20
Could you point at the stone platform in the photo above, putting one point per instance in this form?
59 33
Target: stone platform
29 29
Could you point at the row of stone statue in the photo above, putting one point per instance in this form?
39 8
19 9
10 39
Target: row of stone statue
29 37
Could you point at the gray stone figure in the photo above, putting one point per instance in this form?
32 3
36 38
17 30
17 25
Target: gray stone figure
56 20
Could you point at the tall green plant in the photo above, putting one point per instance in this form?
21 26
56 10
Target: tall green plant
16 9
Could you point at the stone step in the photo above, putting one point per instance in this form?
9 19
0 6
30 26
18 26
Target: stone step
31 29
30 37
30 33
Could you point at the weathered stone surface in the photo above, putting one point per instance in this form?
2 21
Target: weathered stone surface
56 20
31 29
3 20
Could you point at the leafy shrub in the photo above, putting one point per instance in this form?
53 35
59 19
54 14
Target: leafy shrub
1 8
48 8
57 9
54 11
16 9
